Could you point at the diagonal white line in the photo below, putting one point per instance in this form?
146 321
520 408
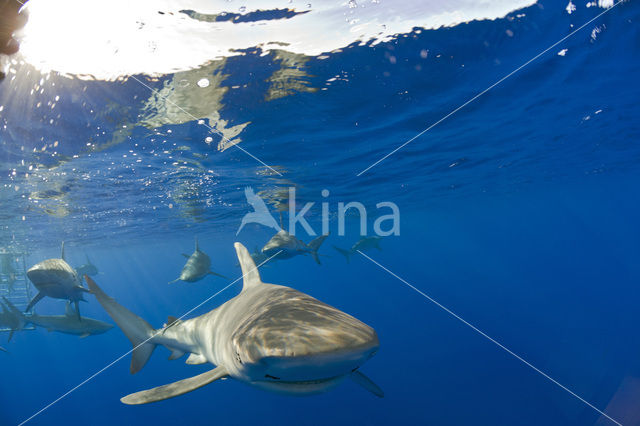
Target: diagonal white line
489 88
211 129
492 340
157 332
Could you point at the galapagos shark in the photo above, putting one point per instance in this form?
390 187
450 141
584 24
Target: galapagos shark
364 243
287 246
269 336
11 317
87 269
56 279
197 267
67 323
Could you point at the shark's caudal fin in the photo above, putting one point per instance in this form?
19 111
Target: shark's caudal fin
137 330
2 349
175 389
314 245
366 383
15 311
345 253
250 274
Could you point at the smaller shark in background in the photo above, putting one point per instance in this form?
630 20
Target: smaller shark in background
87 269
67 323
11 317
56 279
363 244
289 246
197 267
258 257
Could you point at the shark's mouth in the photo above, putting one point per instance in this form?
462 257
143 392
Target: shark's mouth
297 387
277 380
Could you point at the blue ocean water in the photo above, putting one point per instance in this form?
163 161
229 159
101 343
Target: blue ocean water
518 214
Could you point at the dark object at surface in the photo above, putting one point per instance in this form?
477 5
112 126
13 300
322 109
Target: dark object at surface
10 21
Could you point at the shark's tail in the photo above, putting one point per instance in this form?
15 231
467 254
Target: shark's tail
137 330
345 253
314 245
22 320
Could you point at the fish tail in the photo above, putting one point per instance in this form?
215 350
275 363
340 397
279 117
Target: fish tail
314 245
345 253
137 330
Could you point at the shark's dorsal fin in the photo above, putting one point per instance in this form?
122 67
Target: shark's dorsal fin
250 274
62 252
69 311
88 260
197 248
175 389
171 320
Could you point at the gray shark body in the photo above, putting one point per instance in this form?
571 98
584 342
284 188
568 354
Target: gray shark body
363 244
70 324
197 267
285 246
55 278
67 323
269 336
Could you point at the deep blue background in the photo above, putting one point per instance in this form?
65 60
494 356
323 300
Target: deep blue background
520 214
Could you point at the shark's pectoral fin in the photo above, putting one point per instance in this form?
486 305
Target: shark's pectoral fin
186 255
196 359
175 354
35 300
2 349
82 336
10 335
175 389
217 275
174 281
366 383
